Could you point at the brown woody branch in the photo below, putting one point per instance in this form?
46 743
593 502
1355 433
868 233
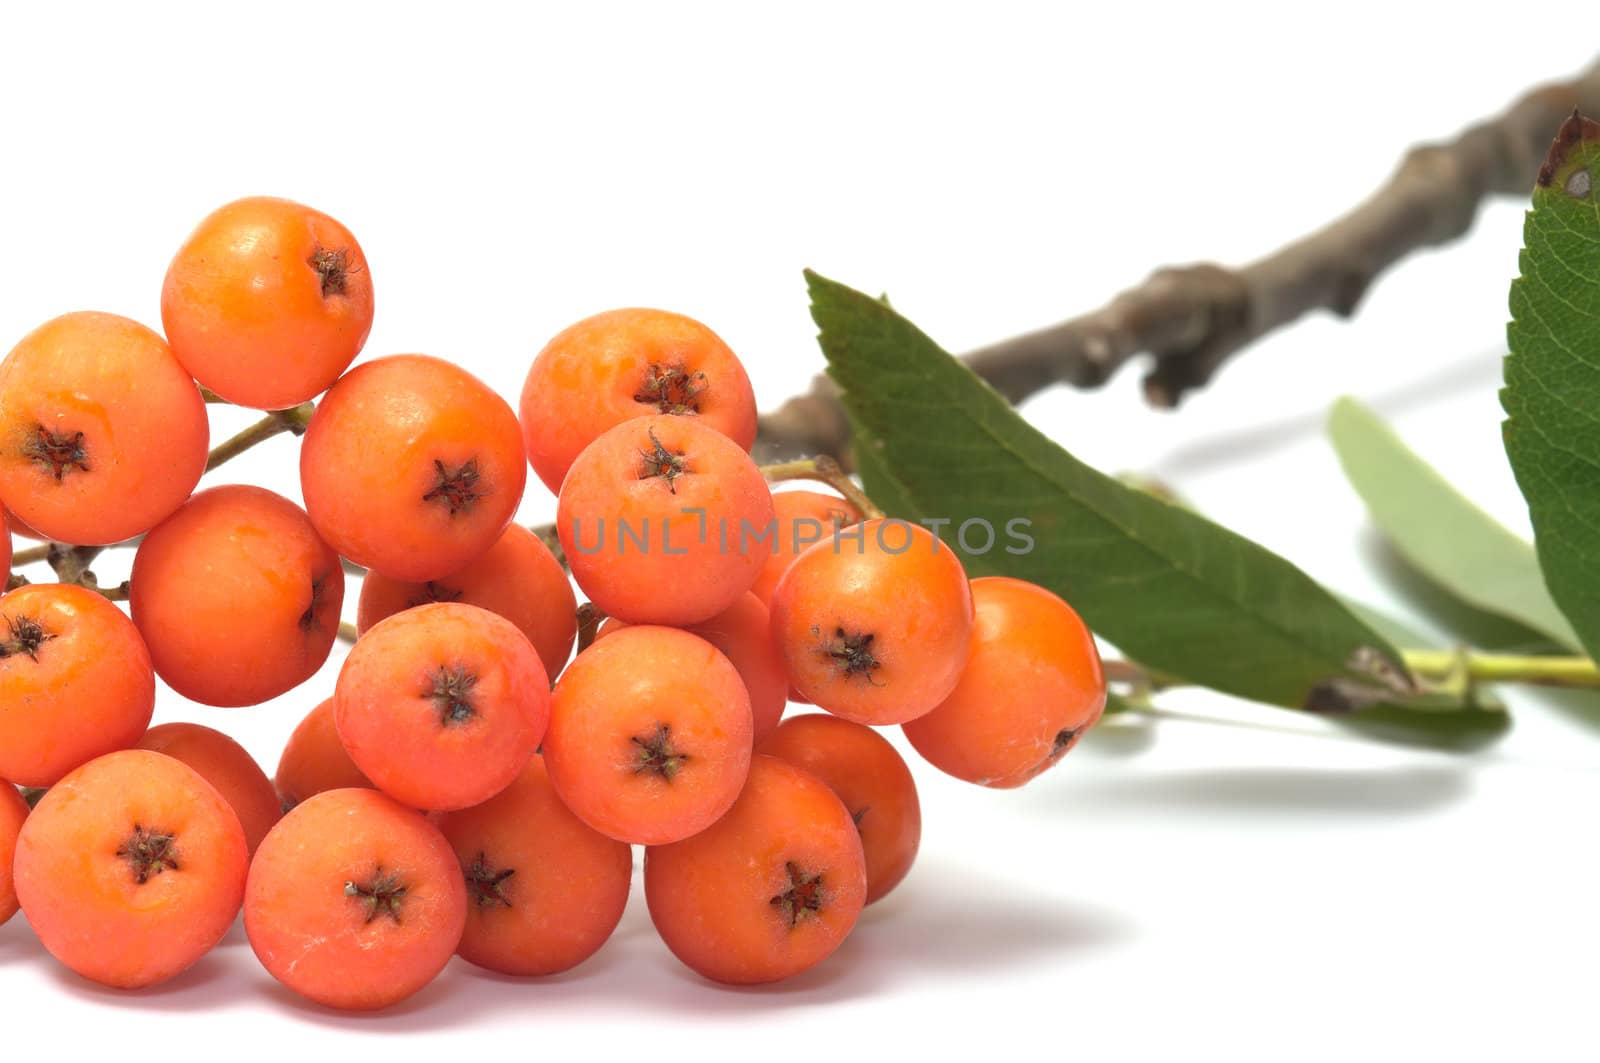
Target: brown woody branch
1191 319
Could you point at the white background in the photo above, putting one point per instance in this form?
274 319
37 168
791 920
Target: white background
1183 887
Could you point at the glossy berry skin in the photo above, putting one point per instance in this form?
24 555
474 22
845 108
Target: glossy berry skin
102 432
769 890
13 810
1032 686
230 770
804 518
519 578
743 633
411 467
623 364
872 780
650 735
237 596
442 705
75 681
355 901
544 890
314 760
267 302
688 494
131 869
873 625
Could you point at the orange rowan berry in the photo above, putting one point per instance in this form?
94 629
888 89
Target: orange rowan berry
1031 687
231 771
623 364
242 568
870 778
664 521
267 302
412 467
75 681
803 519
131 869
769 890
442 705
518 578
650 735
743 632
13 810
873 624
544 889
314 760
102 432
355 901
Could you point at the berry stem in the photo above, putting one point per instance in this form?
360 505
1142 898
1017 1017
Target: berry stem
590 617
294 420
824 469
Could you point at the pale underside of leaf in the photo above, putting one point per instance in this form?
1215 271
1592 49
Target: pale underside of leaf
1438 530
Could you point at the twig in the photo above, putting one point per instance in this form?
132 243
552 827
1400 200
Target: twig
276 423
824 469
348 632
1191 319
590 617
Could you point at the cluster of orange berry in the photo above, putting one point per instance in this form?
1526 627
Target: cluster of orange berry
448 798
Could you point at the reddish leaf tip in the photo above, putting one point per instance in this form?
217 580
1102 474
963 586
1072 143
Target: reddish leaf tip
1574 131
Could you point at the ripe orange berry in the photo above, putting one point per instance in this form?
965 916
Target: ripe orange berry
13 810
519 578
544 890
102 432
664 521
131 869
223 763
442 705
743 632
1031 687
623 364
355 901
803 518
267 302
412 467
314 760
872 780
242 568
769 890
873 624
650 735
75 681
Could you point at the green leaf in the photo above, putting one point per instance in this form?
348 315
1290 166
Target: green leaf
1173 590
1438 531
1552 375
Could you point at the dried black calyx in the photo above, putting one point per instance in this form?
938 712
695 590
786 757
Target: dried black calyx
382 894
334 268
432 592
656 754
456 488
24 637
658 461
487 886
672 389
311 619
851 652
450 690
149 853
59 453
803 898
